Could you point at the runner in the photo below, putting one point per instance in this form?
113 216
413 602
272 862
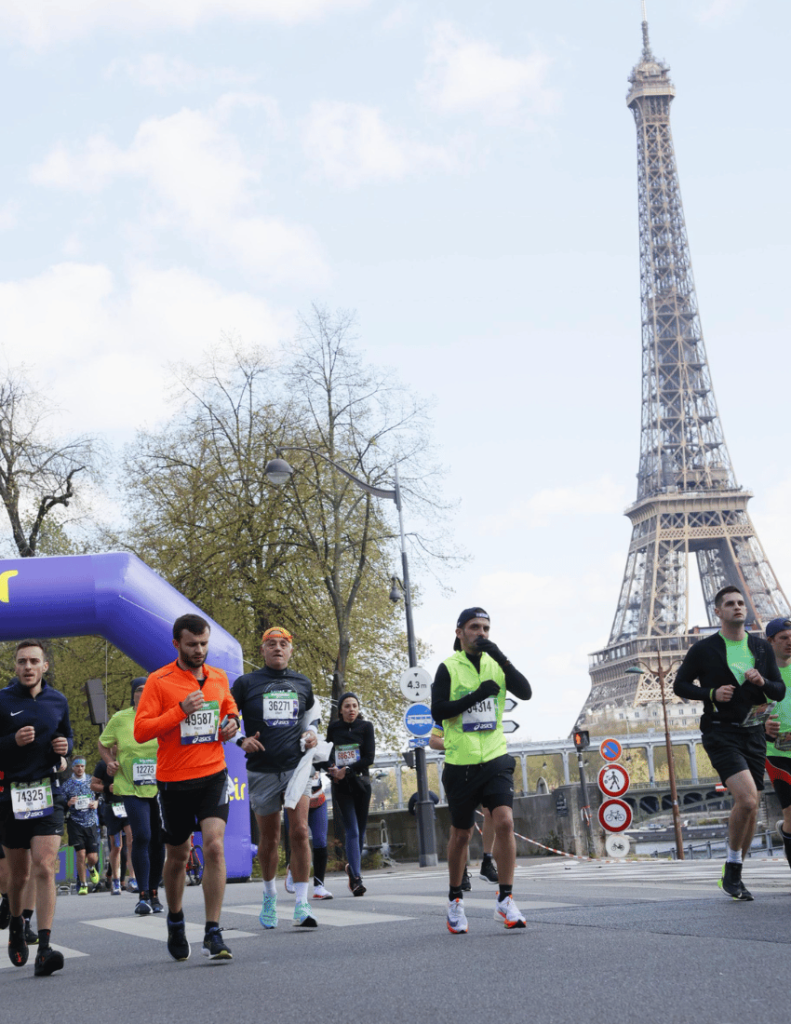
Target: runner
188 707
133 767
112 814
468 699
778 728
35 732
354 749
277 708
317 825
83 824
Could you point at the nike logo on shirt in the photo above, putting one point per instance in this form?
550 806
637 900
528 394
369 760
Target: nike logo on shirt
14 713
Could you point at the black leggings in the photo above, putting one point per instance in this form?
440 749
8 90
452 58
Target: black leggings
148 849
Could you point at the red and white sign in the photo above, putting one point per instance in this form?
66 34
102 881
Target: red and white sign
610 750
613 780
615 815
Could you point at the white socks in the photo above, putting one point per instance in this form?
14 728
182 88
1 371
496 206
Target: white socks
734 856
301 892
270 887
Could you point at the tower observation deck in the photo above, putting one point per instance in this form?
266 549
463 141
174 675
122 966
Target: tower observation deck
688 499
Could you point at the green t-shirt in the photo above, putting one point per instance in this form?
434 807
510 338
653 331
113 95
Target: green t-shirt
137 760
783 712
740 657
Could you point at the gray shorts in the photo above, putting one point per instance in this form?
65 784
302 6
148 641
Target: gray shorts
267 789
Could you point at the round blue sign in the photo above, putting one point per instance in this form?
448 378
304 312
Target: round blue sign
418 720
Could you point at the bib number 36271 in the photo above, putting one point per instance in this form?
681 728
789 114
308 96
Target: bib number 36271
202 726
481 717
281 708
31 799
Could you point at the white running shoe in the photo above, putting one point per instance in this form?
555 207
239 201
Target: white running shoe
508 912
290 883
457 921
320 893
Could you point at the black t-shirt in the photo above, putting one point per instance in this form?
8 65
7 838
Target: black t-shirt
272 703
100 772
354 745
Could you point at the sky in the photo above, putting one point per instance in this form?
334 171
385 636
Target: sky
461 174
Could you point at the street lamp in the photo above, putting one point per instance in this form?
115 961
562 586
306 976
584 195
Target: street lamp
279 472
671 768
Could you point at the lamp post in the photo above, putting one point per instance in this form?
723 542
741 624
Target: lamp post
279 472
671 768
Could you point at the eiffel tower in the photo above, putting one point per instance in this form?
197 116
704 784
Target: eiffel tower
688 500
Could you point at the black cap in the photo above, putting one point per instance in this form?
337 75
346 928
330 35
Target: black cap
466 615
136 684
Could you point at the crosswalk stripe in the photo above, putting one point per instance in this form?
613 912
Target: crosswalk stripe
148 928
69 954
326 915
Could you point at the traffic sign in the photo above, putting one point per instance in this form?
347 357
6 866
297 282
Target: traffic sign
613 780
509 725
415 684
610 750
418 741
617 846
418 720
510 704
615 815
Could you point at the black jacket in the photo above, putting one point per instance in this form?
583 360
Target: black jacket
705 669
358 734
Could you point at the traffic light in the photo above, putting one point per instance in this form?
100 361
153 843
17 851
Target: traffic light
581 739
96 702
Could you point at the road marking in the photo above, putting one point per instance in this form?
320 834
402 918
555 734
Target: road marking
146 928
69 954
440 902
333 917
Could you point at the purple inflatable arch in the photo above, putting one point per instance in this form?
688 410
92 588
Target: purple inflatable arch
120 598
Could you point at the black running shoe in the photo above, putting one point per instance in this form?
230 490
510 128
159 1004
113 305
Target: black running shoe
17 947
731 882
488 871
155 905
31 937
214 947
178 947
466 882
47 962
5 913
357 887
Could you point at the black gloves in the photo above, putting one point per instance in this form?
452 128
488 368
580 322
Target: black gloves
489 647
488 688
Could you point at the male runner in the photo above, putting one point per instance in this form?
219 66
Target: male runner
35 732
778 728
188 707
83 824
733 672
468 699
277 709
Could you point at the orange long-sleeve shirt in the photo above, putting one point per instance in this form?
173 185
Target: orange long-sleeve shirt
159 716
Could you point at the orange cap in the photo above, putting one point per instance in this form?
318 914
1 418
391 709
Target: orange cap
277 631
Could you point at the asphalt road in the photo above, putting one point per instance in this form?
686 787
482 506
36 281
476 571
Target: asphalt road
621 942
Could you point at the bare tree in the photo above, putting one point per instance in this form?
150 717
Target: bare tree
38 472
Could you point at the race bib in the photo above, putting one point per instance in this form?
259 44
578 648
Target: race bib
481 717
144 771
119 810
759 714
346 756
281 708
783 741
201 726
31 799
81 803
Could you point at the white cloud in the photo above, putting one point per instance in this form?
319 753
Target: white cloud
592 497
471 75
102 343
718 11
173 74
9 215
41 23
197 181
350 143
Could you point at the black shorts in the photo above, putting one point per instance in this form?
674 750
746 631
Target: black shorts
737 750
18 832
111 821
779 771
467 785
184 805
83 837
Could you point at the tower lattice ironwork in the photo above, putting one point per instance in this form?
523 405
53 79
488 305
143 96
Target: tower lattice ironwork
688 500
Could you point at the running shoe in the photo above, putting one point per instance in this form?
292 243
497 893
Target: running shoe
143 907
5 913
303 916
731 883
83 889
320 893
178 947
214 947
47 962
17 947
131 885
357 887
456 920
466 882
488 872
508 912
268 915
116 889
94 875
290 882
155 904
31 937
